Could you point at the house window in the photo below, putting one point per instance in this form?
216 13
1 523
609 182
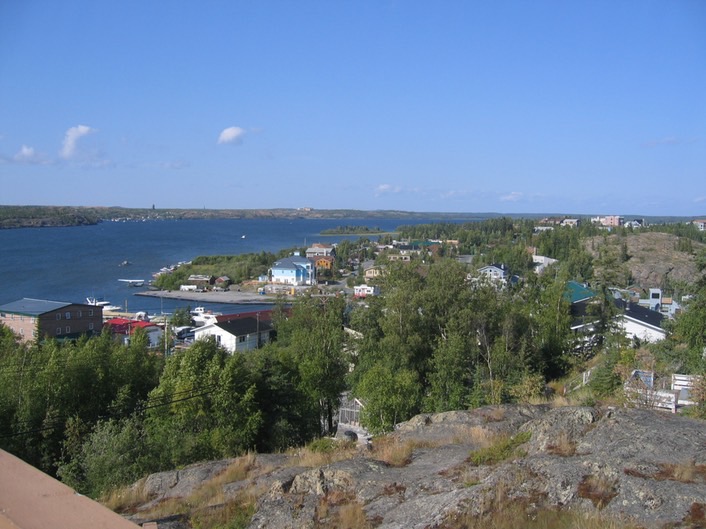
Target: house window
22 332
241 339
90 326
68 329
58 316
218 338
79 314
67 315
58 331
90 312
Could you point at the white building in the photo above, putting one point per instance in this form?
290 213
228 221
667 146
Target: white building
242 334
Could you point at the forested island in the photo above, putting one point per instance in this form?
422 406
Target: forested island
352 230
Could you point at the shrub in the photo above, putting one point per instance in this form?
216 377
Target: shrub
504 448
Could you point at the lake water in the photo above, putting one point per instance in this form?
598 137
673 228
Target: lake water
69 264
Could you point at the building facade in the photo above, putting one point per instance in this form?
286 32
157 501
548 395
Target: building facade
38 319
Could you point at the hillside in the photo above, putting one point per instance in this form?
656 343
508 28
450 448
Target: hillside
653 259
489 467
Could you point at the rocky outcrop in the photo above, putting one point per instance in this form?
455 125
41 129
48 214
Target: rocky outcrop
642 465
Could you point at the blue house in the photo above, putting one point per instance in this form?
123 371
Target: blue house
295 270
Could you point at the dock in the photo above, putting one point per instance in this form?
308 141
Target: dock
229 296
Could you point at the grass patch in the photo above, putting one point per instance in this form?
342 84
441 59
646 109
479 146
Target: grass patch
321 452
685 472
517 515
502 449
598 489
126 499
342 511
207 508
232 515
563 446
697 515
494 414
392 451
398 453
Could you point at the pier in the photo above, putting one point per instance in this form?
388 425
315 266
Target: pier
229 296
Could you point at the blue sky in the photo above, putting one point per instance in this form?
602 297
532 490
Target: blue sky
451 106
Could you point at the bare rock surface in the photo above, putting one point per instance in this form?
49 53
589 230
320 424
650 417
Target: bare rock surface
646 466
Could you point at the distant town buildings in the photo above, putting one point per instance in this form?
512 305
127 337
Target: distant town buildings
700 224
610 221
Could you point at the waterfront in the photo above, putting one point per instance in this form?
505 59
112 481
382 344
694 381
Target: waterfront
69 264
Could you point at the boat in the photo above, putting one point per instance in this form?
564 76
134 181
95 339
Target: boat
133 282
100 302
125 263
200 316
242 236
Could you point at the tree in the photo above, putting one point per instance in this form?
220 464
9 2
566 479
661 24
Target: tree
390 396
451 374
314 336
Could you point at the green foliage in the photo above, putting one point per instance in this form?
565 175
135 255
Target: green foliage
60 391
501 450
313 337
181 317
237 267
113 455
323 445
390 397
605 379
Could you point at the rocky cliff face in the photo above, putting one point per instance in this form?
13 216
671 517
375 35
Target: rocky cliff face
645 466
653 258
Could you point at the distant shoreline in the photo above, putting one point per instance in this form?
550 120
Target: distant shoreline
69 216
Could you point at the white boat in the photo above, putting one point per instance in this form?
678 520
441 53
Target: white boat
200 316
133 282
100 302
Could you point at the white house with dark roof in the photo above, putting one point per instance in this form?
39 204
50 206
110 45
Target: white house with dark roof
39 318
294 270
241 334
640 322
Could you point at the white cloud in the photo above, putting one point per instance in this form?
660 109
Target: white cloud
68 147
29 156
512 197
383 189
231 135
26 155
700 199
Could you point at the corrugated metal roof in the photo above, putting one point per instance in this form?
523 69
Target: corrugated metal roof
576 292
33 307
